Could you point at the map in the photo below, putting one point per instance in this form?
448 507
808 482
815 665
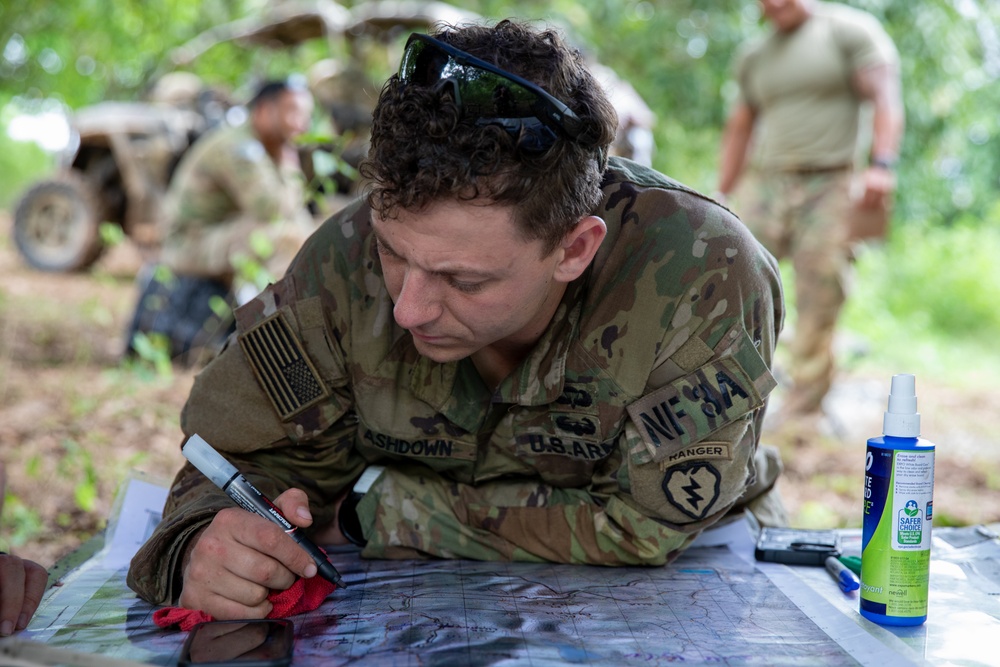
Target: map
709 606
713 605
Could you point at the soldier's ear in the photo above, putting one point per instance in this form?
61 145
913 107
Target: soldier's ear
578 248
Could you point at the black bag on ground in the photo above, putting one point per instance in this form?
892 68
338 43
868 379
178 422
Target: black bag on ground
180 308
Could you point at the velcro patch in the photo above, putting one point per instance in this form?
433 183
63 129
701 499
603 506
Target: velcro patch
687 410
692 488
281 366
546 443
701 451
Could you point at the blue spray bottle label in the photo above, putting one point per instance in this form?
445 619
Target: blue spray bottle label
896 529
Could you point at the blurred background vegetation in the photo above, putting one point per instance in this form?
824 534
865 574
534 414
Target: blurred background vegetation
934 284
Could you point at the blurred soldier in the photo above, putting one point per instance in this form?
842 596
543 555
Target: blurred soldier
552 355
801 91
235 184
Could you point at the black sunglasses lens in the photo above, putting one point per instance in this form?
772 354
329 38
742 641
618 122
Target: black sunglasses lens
481 92
486 94
423 64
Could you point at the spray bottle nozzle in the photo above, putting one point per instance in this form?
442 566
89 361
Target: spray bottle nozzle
902 419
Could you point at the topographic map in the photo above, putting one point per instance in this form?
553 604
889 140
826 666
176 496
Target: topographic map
713 605
710 606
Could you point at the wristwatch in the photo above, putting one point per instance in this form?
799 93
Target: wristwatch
347 515
883 163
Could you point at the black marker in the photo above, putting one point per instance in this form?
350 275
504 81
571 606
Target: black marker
225 476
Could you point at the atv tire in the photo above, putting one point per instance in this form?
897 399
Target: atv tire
56 225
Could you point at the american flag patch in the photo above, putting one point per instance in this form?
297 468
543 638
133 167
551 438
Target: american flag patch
282 367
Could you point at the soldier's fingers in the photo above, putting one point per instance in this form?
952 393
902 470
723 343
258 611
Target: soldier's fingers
222 607
207 581
11 593
35 578
294 504
251 548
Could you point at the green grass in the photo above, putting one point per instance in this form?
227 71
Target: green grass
926 302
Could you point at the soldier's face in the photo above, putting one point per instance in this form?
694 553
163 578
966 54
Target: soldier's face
786 15
291 114
464 283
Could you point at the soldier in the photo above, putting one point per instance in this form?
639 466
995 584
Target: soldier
234 183
801 91
533 352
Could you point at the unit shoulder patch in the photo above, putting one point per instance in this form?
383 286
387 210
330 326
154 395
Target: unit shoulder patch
692 488
281 366
684 412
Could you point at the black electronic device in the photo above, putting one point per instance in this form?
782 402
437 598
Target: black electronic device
796 546
251 643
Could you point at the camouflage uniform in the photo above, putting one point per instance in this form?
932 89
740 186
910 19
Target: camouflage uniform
802 217
629 428
226 188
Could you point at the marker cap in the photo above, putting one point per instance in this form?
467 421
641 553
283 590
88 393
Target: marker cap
211 464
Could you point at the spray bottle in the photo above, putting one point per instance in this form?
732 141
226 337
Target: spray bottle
898 508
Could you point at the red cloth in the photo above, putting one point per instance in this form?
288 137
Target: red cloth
302 596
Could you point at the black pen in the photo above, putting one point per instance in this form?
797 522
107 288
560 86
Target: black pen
225 476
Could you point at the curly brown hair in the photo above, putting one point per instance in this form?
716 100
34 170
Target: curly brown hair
423 150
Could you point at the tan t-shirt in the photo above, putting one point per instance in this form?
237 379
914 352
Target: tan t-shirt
799 83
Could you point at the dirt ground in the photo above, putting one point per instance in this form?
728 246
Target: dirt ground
74 422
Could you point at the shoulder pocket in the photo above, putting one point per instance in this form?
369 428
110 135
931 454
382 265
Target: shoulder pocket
690 408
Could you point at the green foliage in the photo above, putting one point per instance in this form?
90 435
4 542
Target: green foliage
85 51
77 465
18 523
929 298
153 351
111 234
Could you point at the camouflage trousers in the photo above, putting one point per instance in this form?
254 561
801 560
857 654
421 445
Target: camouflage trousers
212 251
804 217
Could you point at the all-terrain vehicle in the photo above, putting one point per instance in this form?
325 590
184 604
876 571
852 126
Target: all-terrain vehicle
115 170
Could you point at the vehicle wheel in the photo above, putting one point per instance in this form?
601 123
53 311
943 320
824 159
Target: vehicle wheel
56 227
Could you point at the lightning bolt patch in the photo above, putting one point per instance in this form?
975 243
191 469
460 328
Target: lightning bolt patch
692 487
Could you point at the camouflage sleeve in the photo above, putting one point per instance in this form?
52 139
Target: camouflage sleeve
256 185
684 458
228 407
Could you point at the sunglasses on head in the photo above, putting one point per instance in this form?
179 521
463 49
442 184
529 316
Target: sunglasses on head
489 94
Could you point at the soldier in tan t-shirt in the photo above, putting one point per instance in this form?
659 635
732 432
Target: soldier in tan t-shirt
790 143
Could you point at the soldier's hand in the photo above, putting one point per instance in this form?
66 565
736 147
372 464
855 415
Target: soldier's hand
22 583
879 185
233 564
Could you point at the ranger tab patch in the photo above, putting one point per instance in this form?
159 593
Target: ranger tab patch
281 366
687 410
